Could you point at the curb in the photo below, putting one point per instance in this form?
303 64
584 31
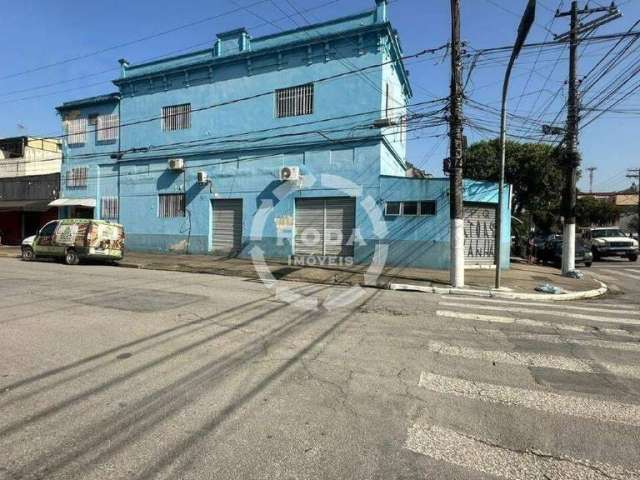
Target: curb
491 293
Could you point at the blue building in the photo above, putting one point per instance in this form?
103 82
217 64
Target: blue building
290 144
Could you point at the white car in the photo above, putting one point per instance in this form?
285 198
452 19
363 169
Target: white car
611 242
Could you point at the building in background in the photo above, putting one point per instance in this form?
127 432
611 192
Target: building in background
627 201
29 181
290 144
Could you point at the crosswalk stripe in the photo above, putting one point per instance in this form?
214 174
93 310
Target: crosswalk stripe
527 359
632 270
626 310
549 402
546 338
621 274
527 322
482 455
571 315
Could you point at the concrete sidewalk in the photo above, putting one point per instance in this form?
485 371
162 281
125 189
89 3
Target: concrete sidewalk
520 278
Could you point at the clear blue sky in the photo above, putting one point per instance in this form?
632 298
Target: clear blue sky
35 33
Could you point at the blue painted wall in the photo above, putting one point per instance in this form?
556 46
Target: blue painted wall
236 138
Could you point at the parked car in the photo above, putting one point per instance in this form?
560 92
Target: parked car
552 253
611 242
76 239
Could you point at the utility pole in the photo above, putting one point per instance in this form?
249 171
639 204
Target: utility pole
591 170
572 156
456 268
635 173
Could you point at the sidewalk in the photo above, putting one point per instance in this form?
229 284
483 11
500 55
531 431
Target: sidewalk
521 278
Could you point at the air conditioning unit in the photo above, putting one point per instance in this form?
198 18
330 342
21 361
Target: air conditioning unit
290 174
203 178
176 164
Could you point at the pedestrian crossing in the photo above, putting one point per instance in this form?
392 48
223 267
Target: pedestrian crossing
616 274
604 339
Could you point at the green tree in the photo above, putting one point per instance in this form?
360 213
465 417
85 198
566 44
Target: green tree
595 211
532 169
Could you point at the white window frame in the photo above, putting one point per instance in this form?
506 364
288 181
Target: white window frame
107 127
401 212
75 130
435 208
176 117
294 101
411 214
386 211
109 208
171 205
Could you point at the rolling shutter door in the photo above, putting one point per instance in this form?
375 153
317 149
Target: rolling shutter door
227 226
479 235
309 226
324 226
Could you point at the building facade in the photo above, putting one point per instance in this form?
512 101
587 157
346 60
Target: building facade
29 181
288 144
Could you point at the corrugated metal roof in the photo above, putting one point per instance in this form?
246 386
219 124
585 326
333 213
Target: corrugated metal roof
83 102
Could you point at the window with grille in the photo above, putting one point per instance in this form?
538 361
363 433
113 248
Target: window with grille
171 205
294 101
109 208
75 131
77 177
107 127
176 117
410 208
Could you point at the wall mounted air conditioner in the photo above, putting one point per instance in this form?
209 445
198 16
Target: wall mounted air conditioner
290 174
176 164
203 178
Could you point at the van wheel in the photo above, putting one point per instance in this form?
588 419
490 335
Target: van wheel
633 258
28 254
71 257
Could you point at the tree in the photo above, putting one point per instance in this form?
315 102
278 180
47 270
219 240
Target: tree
597 212
532 169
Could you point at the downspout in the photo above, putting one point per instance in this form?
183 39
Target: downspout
119 156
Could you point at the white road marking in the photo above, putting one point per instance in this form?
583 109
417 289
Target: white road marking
632 270
488 457
623 310
528 322
621 274
527 359
571 315
549 402
546 338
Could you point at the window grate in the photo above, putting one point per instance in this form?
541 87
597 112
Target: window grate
77 177
109 208
171 205
107 127
176 117
294 101
410 208
76 131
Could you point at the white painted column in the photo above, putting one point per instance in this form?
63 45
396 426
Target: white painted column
457 253
568 248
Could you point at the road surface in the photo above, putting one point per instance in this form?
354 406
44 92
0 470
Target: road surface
113 373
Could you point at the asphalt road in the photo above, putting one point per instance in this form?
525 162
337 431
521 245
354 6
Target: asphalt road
113 373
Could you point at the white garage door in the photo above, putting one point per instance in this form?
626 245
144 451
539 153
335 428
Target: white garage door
479 234
324 226
227 226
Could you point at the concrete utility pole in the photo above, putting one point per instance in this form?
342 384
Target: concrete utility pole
635 173
591 170
456 269
572 156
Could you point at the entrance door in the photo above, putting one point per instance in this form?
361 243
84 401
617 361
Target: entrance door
324 226
479 234
227 226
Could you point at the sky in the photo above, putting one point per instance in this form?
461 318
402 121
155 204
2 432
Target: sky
67 49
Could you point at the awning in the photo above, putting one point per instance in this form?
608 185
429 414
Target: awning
74 202
24 205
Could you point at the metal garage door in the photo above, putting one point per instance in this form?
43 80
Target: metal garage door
324 226
227 226
479 234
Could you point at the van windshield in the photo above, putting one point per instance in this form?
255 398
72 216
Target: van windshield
607 232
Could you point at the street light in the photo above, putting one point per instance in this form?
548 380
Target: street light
527 20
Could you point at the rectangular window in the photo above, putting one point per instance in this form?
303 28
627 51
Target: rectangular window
77 177
176 117
93 119
410 208
109 208
107 127
171 205
392 209
428 207
294 101
75 131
